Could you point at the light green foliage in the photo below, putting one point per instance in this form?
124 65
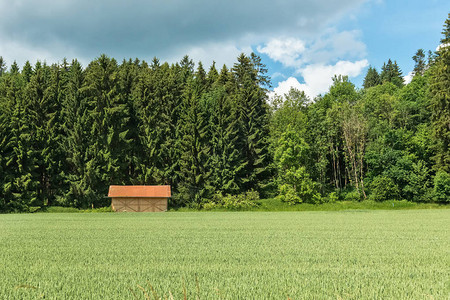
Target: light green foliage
353 196
332 197
232 202
295 183
441 191
383 189
287 193
289 110
418 187
244 255
297 180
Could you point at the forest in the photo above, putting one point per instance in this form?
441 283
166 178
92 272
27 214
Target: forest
67 132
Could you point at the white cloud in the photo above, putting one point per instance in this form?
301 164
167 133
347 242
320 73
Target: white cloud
317 60
441 46
222 53
21 52
318 77
284 87
330 47
286 51
158 28
408 77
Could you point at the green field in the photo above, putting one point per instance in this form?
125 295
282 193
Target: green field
355 254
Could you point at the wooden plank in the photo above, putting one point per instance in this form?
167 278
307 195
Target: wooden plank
137 204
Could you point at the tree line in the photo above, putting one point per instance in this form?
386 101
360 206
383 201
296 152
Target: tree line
68 132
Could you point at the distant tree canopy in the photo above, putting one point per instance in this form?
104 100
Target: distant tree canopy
68 132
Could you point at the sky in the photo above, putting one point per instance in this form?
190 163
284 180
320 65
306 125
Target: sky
302 42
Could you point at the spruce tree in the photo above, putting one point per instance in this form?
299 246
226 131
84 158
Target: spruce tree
132 148
372 78
440 101
20 181
194 187
27 71
2 66
250 100
109 132
37 105
76 142
226 161
147 101
390 72
212 76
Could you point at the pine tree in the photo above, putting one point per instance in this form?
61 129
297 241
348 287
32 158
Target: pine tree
419 60
372 78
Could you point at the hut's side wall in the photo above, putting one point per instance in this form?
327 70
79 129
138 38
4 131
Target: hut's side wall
139 204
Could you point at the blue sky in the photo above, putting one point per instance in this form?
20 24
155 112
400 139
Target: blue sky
379 30
303 43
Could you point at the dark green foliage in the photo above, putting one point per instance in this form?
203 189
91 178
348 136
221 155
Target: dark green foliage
226 161
446 31
252 114
68 132
77 125
440 102
390 72
195 152
372 78
20 180
420 64
2 66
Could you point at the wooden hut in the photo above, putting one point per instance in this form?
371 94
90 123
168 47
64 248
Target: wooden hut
139 198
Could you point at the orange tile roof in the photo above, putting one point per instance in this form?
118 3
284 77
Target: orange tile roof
144 191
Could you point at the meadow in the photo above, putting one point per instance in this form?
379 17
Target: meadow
350 254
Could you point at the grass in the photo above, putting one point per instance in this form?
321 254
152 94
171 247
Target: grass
274 205
61 209
378 254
